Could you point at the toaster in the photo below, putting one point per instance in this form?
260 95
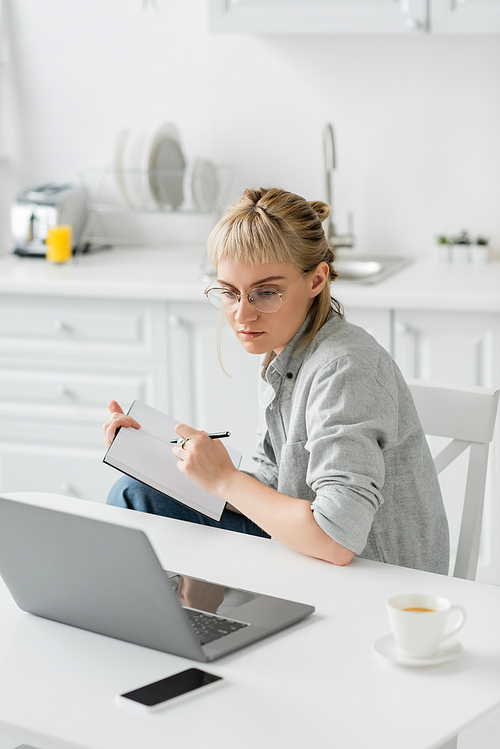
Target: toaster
40 208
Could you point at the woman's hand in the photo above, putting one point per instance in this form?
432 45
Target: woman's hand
202 459
118 419
287 519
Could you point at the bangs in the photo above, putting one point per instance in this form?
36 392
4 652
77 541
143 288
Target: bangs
253 238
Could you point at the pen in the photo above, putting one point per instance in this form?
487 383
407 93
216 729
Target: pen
213 436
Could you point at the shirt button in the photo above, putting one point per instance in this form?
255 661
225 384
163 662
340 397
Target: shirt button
289 375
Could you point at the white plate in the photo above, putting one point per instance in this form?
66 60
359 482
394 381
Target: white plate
166 167
386 647
205 185
118 174
135 173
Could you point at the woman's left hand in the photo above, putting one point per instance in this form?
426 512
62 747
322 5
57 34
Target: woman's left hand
202 459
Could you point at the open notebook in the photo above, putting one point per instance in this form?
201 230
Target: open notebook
146 455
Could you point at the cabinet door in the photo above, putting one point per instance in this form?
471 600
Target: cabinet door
465 16
72 471
376 321
458 349
202 394
318 17
42 327
68 393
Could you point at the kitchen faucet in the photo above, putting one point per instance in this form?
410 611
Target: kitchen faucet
335 240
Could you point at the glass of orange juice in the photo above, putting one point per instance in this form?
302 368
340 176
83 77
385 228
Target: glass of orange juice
59 244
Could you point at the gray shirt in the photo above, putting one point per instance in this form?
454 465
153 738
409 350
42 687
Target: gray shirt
338 428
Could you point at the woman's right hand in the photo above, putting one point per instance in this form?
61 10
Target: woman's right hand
118 419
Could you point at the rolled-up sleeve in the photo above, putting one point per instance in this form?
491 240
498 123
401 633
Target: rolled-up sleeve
351 419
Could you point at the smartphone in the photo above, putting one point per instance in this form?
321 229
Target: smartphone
158 694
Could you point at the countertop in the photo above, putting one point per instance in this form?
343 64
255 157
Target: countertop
176 274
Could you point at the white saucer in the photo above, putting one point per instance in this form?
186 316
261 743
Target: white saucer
386 647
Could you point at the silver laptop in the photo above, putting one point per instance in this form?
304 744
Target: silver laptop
106 578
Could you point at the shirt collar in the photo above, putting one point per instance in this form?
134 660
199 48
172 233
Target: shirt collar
289 361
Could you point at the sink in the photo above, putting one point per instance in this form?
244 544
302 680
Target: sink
369 268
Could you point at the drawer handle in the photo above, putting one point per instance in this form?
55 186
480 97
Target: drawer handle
413 24
175 321
403 328
63 391
67 488
59 325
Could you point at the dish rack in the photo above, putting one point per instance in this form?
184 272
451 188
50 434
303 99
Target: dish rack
129 206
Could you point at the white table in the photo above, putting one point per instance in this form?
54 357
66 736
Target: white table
318 683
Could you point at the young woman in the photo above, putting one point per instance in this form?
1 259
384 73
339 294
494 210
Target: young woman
342 467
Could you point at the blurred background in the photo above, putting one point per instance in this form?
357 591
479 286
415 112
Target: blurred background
416 117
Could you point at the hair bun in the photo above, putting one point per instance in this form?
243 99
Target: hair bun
254 195
322 209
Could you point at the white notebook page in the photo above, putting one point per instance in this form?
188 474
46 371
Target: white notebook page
146 454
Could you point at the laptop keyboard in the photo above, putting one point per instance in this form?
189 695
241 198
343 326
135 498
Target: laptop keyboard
209 628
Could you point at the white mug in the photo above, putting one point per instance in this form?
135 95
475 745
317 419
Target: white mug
418 622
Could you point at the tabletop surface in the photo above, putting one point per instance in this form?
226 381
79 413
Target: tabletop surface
319 681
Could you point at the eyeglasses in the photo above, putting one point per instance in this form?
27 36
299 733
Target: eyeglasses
263 299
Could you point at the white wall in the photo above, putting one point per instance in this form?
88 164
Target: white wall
417 119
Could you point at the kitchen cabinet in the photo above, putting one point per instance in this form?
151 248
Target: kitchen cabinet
355 16
459 348
464 16
61 361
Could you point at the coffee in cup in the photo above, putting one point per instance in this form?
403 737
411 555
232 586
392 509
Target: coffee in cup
418 622
419 609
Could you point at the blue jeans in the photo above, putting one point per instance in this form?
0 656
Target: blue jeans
134 495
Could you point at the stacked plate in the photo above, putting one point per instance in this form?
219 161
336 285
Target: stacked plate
205 185
150 172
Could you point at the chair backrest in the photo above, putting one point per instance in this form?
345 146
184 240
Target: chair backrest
467 416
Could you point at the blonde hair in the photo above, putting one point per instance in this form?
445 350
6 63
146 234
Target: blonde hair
275 226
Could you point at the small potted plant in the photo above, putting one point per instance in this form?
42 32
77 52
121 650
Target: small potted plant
460 247
480 250
443 248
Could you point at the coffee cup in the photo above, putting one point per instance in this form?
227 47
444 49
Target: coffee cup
418 622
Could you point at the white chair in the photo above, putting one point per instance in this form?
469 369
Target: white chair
467 416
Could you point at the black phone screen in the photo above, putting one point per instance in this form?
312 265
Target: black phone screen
173 686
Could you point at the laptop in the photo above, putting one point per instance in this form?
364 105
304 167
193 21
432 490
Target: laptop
106 578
